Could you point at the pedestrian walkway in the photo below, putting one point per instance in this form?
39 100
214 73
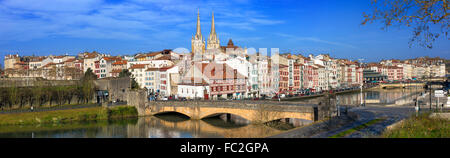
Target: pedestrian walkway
388 116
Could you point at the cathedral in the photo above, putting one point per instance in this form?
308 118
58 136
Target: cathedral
211 49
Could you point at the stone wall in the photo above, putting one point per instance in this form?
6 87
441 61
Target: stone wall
117 87
34 81
138 99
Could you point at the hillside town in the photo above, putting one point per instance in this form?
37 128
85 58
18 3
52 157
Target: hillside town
211 71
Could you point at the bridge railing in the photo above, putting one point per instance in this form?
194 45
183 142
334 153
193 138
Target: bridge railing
274 106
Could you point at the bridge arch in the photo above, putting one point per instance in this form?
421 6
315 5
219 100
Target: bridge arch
212 113
249 114
174 112
181 111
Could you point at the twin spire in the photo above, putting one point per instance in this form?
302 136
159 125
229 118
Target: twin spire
213 41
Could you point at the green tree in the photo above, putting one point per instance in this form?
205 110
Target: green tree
89 75
13 92
125 73
37 93
134 84
87 85
429 18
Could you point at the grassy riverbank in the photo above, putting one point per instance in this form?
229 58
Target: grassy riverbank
70 115
357 128
420 127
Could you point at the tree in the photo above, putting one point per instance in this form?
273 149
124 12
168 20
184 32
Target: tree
89 75
429 18
13 92
87 85
37 93
134 84
125 73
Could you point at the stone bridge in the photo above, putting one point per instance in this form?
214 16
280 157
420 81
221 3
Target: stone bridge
401 85
252 111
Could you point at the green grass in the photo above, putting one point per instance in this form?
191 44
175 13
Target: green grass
64 116
421 127
122 112
357 128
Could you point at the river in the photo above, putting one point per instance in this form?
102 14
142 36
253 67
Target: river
178 126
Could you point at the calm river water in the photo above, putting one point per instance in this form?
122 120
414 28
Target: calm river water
177 126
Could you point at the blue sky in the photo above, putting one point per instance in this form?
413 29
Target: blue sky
116 27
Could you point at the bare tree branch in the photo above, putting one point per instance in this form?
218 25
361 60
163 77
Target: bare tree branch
429 18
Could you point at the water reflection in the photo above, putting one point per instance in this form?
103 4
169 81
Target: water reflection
144 127
375 96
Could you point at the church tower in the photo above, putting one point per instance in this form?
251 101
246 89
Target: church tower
213 40
198 44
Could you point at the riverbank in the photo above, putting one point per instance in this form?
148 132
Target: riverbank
315 128
359 122
422 126
67 115
13 129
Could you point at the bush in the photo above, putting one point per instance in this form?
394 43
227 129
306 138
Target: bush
421 127
127 111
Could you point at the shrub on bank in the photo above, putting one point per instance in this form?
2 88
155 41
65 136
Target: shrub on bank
421 127
122 112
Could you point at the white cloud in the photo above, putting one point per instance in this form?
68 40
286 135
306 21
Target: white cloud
314 39
52 5
31 19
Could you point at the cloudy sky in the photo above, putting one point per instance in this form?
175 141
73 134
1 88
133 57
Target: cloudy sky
44 27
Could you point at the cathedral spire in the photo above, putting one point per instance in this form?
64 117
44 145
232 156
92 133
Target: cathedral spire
198 44
199 32
213 28
213 40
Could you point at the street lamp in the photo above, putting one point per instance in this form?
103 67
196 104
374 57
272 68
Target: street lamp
362 84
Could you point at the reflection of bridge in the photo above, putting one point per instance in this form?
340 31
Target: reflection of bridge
401 85
199 127
254 111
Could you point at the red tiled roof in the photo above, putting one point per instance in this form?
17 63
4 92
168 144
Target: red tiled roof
112 58
70 60
163 58
160 69
138 66
120 62
282 66
116 71
152 54
91 55
20 63
49 64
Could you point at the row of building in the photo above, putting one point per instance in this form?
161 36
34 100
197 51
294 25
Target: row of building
411 69
222 75
212 71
